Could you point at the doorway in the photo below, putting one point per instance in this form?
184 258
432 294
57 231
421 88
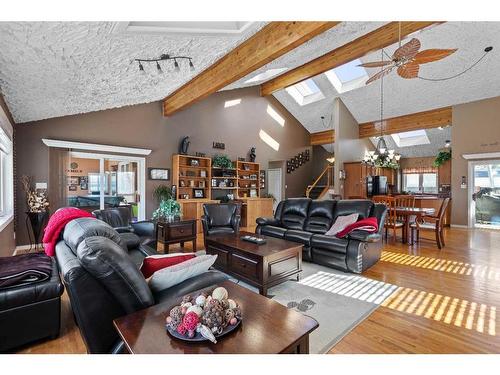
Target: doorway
99 181
275 185
484 194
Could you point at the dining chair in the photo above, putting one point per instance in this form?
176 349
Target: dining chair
391 221
432 223
407 201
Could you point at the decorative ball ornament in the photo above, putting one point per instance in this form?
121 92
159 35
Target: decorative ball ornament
190 321
200 300
196 309
232 304
186 304
233 321
219 293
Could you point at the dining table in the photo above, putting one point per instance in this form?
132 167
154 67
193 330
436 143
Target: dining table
407 213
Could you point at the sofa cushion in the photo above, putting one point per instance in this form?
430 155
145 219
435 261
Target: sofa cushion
131 240
362 207
79 229
294 213
220 230
271 230
330 243
154 263
299 236
341 223
115 270
320 216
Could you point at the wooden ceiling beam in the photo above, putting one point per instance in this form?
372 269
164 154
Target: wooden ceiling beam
269 43
415 121
373 41
322 138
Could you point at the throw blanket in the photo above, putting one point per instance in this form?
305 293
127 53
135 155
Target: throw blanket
24 269
56 224
368 225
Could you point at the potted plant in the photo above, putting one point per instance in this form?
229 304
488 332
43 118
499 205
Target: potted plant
222 161
168 208
162 192
37 208
442 157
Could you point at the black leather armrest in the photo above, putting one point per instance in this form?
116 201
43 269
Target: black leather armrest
144 228
147 250
204 222
267 221
364 236
235 222
123 229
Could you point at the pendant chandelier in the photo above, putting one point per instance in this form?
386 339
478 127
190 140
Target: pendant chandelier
382 157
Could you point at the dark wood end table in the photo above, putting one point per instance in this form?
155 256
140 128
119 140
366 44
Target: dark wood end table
262 266
267 328
177 231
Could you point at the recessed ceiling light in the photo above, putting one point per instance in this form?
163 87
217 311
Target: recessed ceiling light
265 75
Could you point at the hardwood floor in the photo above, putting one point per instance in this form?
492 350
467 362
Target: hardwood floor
447 300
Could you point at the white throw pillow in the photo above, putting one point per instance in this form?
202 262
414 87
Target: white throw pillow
341 223
170 276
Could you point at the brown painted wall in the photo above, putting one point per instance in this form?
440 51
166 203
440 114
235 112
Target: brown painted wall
144 126
476 129
7 241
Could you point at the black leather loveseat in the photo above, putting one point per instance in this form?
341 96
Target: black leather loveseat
100 270
306 221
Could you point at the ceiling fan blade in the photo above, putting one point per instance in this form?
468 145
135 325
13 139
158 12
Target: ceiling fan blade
409 70
375 64
379 75
407 50
430 55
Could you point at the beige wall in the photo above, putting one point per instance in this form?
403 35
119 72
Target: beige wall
348 146
476 129
7 241
144 126
423 162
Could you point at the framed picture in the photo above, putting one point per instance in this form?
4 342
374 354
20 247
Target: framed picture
214 182
72 187
159 174
199 193
203 173
246 167
84 183
194 163
201 184
73 180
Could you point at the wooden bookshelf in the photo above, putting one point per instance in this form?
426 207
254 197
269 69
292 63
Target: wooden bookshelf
190 173
221 181
248 179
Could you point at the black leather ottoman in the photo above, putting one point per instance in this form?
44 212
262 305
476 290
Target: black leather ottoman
30 312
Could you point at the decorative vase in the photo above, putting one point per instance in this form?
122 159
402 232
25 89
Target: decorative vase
37 222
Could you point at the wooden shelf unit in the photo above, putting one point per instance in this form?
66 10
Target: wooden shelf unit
226 176
245 169
183 172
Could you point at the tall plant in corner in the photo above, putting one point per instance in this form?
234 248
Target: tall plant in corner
168 208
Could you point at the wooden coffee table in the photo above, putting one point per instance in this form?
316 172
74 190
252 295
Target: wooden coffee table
267 328
262 266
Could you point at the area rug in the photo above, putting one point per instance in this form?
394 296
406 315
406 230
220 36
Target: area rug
338 301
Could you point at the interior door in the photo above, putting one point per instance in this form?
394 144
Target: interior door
275 185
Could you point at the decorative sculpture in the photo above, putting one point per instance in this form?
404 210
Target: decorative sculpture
252 154
183 147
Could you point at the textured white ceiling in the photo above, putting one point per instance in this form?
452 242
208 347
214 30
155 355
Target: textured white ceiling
50 69
404 96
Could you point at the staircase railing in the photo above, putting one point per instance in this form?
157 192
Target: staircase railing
329 179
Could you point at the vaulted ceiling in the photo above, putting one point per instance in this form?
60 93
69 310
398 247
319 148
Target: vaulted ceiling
51 69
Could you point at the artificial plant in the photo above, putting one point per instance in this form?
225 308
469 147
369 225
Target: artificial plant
162 192
168 208
384 161
442 157
222 161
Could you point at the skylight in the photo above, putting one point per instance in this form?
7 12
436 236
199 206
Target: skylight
305 92
347 77
411 138
265 75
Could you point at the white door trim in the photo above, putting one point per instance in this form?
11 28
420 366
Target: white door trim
95 147
141 174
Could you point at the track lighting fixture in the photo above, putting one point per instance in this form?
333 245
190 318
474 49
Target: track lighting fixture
165 57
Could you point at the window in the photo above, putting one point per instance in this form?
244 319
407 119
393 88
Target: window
347 77
305 92
420 182
411 138
6 179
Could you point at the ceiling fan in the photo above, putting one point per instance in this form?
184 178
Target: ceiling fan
407 59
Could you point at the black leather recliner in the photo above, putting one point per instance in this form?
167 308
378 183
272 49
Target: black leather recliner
220 218
121 220
306 221
100 270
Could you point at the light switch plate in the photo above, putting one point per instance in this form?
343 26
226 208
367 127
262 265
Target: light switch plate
41 185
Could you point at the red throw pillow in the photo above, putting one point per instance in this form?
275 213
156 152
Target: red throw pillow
153 263
369 224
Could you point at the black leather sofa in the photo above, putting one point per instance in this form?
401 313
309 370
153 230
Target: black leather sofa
120 219
30 312
306 221
100 270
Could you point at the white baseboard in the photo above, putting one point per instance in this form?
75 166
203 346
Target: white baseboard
459 226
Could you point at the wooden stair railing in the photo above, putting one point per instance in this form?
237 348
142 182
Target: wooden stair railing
329 181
